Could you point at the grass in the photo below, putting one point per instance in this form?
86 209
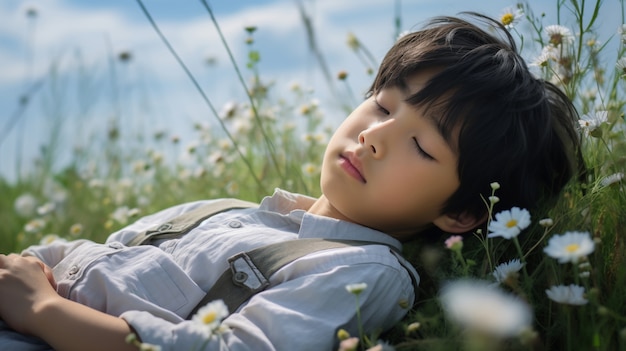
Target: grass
256 148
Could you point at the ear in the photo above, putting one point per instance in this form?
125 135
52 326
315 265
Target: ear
458 223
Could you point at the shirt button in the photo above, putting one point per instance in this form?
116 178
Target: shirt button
115 245
234 224
73 270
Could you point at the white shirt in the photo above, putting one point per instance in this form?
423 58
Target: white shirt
153 288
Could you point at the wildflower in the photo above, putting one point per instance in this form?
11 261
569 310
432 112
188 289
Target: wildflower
356 288
229 110
546 222
353 42
343 334
592 121
46 208
494 199
494 186
612 179
622 32
123 214
568 295
509 223
621 65
559 35
477 305
510 17
454 243
25 205
507 271
310 169
570 247
50 238
413 327
548 53
35 226
76 229
210 316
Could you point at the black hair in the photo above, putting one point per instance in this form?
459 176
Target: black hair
510 127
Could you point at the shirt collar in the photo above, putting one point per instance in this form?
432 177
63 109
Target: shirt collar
314 226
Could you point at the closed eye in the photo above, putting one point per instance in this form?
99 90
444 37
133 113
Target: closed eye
381 109
421 151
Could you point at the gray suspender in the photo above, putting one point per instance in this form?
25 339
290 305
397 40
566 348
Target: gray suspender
250 271
183 224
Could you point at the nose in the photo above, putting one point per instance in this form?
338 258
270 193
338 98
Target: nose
373 138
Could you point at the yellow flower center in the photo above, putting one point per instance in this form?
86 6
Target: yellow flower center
507 19
572 247
209 317
511 223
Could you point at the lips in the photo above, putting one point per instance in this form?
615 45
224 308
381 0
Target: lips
351 164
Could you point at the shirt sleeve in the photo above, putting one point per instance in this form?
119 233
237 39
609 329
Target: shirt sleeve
304 313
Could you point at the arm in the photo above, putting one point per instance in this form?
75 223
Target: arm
30 305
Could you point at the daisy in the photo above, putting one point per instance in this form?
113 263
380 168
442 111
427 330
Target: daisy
569 295
592 121
509 223
510 17
25 205
508 270
209 317
559 35
479 306
548 53
570 247
621 65
356 288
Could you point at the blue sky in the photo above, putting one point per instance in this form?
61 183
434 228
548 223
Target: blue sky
71 46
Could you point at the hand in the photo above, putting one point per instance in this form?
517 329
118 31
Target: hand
26 284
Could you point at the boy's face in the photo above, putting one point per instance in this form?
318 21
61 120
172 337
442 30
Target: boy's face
388 167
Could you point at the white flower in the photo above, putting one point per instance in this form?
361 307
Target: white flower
509 223
46 208
210 316
548 53
622 32
356 288
570 247
480 306
310 169
621 65
546 222
50 238
35 226
559 35
510 16
593 121
506 270
612 179
569 295
25 205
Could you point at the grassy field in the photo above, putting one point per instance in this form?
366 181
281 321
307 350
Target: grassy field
253 147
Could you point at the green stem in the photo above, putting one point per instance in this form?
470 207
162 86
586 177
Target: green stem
266 138
204 96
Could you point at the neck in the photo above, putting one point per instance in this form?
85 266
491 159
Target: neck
323 207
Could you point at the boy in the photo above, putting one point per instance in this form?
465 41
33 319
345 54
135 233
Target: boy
452 109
